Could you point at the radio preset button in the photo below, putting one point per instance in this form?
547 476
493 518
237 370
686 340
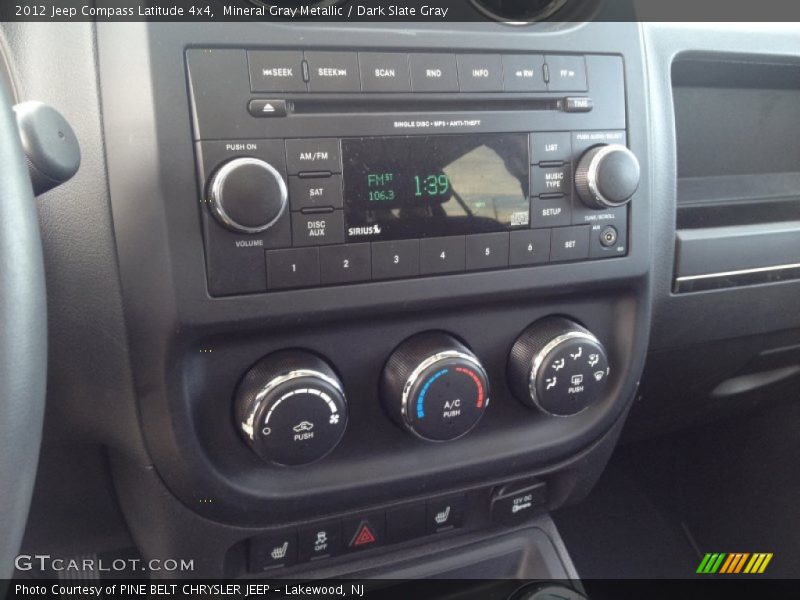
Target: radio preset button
442 255
551 146
317 229
570 243
276 71
567 73
292 268
346 264
480 72
393 260
487 251
433 72
333 72
551 212
530 247
313 155
551 180
384 72
315 192
524 73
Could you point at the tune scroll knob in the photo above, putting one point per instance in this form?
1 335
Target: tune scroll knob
290 408
607 176
558 367
435 387
247 195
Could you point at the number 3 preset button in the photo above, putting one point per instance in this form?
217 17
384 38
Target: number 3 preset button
391 260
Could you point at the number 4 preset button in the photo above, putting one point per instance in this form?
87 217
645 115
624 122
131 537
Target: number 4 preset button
442 255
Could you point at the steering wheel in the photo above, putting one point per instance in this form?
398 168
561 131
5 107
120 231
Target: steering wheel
23 339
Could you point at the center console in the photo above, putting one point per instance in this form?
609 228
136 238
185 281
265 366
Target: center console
384 294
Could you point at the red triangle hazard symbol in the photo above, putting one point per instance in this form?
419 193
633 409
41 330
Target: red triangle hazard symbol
364 536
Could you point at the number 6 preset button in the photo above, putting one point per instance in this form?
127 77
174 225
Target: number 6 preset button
392 260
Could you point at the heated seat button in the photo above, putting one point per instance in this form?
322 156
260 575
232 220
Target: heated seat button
313 155
319 541
480 72
317 229
567 73
446 513
515 503
433 72
292 268
524 73
276 71
346 264
315 192
487 251
366 531
570 243
384 72
333 72
278 549
392 260
441 255
406 522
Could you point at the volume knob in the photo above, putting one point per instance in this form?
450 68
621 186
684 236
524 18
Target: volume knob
607 176
247 195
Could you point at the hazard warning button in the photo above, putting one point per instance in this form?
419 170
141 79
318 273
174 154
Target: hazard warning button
365 531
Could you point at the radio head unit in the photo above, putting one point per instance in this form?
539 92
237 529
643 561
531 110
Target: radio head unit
313 172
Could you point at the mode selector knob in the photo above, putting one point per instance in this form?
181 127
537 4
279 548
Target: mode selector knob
290 408
607 176
558 367
247 195
435 387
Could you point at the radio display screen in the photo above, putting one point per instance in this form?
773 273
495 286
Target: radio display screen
427 186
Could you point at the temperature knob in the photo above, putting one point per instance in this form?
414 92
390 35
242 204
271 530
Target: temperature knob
434 387
607 176
558 367
291 408
247 195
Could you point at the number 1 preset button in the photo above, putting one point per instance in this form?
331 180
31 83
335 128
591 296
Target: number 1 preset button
396 259
442 255
292 268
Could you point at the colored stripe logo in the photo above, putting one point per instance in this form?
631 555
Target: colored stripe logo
734 563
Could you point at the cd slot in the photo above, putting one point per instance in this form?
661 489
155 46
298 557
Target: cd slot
361 105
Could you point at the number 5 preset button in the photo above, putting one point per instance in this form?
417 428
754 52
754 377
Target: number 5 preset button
391 260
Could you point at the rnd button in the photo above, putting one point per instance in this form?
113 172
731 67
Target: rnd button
318 229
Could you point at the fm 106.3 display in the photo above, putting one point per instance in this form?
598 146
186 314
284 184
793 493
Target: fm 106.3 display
423 186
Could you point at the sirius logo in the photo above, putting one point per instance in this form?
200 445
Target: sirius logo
371 230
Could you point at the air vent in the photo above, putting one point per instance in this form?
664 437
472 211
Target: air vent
519 11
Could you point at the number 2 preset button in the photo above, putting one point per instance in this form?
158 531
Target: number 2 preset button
346 264
442 255
292 268
392 260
